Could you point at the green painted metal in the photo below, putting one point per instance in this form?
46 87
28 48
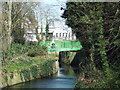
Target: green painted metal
59 45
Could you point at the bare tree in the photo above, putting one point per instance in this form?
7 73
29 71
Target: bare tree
40 19
6 28
23 18
47 16
13 14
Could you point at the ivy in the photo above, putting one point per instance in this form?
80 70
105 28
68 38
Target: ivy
97 27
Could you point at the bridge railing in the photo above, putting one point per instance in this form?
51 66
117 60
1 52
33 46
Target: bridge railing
57 46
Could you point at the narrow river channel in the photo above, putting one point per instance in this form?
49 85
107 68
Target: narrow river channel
65 78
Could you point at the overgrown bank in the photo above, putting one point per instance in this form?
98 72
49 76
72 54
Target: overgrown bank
29 70
97 26
25 66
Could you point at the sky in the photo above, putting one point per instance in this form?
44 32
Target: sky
49 1
54 6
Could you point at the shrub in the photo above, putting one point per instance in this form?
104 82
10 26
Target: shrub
29 50
37 51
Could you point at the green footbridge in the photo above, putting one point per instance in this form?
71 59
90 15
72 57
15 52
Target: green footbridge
62 45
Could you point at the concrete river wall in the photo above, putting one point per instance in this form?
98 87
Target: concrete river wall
37 71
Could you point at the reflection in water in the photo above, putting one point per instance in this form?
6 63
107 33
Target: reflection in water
65 78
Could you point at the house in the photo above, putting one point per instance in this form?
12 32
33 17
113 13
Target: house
63 33
55 33
30 36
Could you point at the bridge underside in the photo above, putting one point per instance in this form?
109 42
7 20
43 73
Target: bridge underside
57 46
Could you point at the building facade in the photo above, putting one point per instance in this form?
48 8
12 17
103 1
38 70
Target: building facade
55 33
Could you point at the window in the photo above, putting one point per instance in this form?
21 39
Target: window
60 34
56 34
69 35
66 34
63 34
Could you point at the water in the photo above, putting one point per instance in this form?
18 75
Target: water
65 78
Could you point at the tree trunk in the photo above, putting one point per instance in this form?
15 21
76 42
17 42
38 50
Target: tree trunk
41 32
47 30
1 37
6 29
9 23
37 35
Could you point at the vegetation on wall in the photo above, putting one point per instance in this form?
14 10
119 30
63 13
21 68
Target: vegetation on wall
97 26
25 50
17 17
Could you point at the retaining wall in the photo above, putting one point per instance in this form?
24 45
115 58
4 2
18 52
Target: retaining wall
36 71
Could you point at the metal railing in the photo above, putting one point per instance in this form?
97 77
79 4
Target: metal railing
59 45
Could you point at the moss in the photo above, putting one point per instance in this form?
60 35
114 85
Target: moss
46 68
11 75
34 71
26 74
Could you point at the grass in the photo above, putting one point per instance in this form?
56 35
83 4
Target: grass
25 56
22 62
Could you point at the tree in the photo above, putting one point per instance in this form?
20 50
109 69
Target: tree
40 19
17 30
23 19
98 30
12 17
6 29
47 16
47 30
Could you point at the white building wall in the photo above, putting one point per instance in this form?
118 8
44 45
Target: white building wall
58 34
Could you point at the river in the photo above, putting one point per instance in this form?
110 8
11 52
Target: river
65 78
